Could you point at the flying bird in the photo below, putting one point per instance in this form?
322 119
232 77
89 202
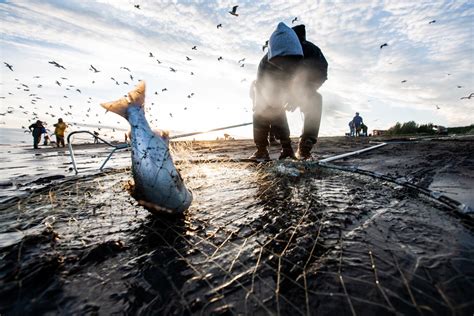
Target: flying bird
220 58
151 55
403 81
241 61
137 6
468 97
8 66
459 87
294 20
194 48
265 46
234 10
56 64
437 107
188 59
219 25
164 89
431 22
58 83
126 68
383 45
94 69
172 69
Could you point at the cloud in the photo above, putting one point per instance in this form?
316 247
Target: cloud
434 59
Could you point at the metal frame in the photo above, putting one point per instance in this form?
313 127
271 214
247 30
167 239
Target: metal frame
124 146
71 151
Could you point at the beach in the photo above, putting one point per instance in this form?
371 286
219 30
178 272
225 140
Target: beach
387 231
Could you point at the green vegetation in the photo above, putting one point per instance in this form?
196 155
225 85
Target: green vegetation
412 128
462 130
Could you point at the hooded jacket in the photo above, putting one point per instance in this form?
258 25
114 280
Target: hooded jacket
314 62
313 65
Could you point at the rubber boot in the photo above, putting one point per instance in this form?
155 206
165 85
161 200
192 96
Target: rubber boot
261 154
286 150
304 149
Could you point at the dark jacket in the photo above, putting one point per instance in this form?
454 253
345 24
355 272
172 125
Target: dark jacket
314 64
314 61
37 129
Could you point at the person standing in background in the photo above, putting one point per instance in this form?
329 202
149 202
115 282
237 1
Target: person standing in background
60 128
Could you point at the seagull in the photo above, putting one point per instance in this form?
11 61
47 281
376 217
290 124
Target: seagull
164 89
8 66
383 45
56 64
220 58
78 90
188 59
459 87
219 25
131 77
94 69
194 48
151 55
241 66
58 83
468 97
126 68
137 6
431 22
403 81
265 46
234 10
241 61
437 107
172 69
294 20
192 73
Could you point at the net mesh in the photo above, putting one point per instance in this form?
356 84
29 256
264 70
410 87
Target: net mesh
279 238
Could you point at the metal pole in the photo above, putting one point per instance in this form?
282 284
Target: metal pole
211 130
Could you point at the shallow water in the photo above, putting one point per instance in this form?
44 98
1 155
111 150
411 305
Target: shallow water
285 238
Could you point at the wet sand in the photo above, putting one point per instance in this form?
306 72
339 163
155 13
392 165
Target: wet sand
280 238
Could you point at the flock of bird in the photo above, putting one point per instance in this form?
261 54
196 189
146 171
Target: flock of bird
404 81
33 112
89 113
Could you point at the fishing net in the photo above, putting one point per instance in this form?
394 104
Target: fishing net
278 238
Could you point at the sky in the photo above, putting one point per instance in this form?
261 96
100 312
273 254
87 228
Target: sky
420 75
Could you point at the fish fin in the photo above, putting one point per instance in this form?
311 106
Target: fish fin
135 97
165 135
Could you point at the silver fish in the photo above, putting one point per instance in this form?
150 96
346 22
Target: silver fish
158 185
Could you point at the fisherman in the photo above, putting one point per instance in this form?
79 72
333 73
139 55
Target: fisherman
364 129
288 77
60 127
357 121
351 128
37 129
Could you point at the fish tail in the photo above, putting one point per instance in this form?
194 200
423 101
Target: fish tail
136 97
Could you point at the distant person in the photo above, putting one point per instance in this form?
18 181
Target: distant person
364 129
272 140
351 129
60 128
96 137
357 120
37 130
288 77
